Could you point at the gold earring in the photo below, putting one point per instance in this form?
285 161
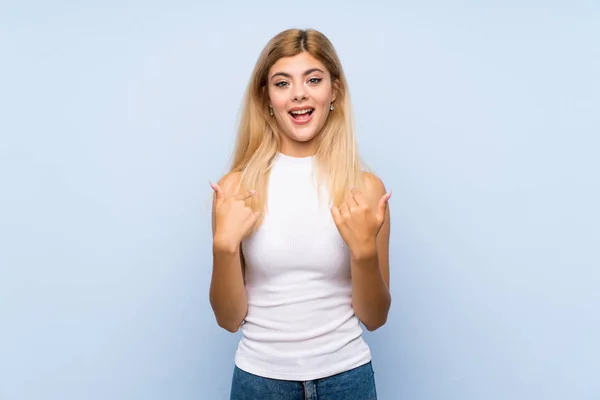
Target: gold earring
271 111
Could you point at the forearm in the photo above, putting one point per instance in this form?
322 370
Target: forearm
371 297
227 291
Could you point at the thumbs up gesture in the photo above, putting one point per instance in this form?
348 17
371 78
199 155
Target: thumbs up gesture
358 223
232 218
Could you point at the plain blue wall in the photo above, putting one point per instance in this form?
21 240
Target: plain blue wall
483 120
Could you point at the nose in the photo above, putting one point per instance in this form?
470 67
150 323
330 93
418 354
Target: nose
299 93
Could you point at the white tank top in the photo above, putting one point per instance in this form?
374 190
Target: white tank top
300 323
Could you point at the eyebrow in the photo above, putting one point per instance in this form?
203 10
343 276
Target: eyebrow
307 72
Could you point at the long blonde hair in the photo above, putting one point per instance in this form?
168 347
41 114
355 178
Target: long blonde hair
258 139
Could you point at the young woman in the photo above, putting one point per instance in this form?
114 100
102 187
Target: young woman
300 233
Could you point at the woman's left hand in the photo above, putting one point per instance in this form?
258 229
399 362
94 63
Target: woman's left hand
359 224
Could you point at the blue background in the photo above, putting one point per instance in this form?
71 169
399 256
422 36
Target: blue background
482 117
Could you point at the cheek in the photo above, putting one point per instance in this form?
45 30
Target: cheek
324 98
277 101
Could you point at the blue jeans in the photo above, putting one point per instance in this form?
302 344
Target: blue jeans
356 384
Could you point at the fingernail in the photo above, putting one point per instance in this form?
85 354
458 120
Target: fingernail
252 191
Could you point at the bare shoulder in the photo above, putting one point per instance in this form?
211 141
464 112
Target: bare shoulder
374 186
230 183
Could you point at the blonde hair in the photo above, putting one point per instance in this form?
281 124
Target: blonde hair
258 140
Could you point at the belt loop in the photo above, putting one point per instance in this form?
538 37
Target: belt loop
310 390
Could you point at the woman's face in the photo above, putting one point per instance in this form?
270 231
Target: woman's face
300 94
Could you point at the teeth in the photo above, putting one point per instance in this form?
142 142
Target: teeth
299 112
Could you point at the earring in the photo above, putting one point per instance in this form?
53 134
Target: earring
331 106
271 111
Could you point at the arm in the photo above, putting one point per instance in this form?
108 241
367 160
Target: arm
371 297
227 290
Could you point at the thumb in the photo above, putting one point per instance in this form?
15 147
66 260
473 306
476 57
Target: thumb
218 191
383 206
249 223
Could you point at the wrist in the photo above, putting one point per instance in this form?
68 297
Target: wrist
364 253
224 245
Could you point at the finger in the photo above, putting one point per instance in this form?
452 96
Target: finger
218 191
244 196
253 216
383 202
344 210
350 198
358 196
251 220
335 213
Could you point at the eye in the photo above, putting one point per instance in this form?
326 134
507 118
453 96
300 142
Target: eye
281 84
315 80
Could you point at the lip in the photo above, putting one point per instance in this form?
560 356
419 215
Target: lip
303 121
300 108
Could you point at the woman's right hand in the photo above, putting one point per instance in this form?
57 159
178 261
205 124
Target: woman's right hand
233 219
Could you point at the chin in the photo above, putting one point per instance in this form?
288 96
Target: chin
303 138
303 134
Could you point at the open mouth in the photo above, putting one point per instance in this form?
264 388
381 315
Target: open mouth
301 115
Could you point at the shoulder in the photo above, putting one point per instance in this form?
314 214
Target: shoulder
230 182
373 185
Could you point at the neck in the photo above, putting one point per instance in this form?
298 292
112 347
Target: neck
298 150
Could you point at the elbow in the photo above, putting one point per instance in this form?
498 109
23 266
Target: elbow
228 318
231 322
376 320
229 325
232 328
372 326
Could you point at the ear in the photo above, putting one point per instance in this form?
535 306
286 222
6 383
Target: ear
335 86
